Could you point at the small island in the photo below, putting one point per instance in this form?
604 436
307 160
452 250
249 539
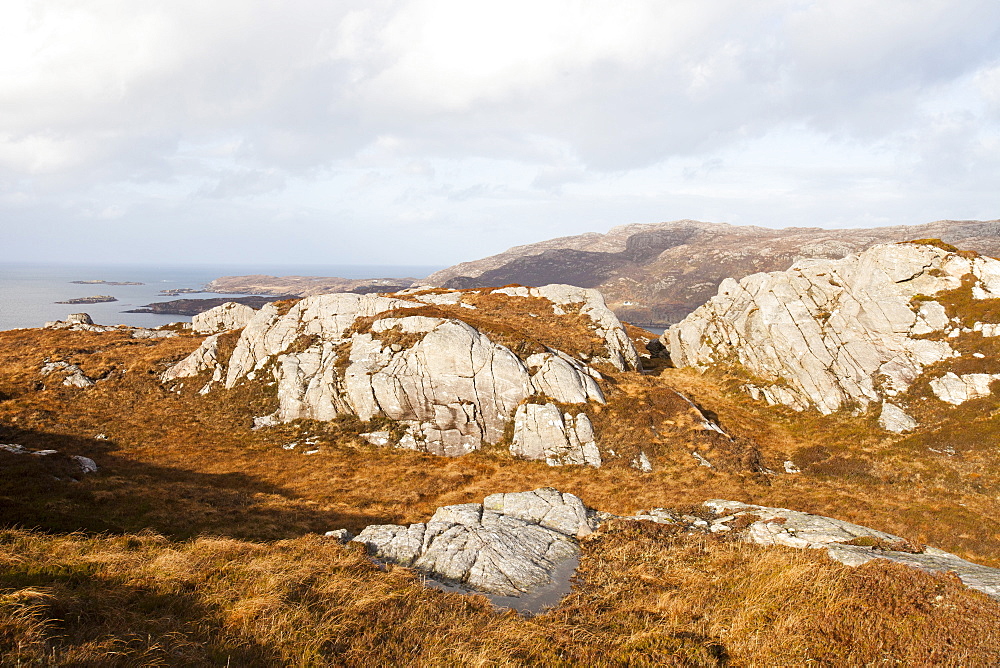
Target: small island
192 307
98 282
173 292
96 299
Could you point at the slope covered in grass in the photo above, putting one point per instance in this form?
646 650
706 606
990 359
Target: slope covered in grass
198 541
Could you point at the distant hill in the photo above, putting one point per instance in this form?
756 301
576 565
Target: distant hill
657 273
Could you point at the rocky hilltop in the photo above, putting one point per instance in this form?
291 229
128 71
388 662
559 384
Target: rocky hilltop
836 334
658 273
299 482
419 359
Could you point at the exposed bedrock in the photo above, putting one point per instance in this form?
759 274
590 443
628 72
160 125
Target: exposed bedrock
836 333
511 544
446 382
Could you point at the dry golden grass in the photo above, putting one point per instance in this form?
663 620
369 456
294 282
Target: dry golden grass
645 595
177 467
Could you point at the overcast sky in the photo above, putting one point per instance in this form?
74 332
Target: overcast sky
431 132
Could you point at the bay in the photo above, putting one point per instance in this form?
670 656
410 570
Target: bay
28 292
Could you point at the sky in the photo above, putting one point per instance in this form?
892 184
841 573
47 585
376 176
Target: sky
430 132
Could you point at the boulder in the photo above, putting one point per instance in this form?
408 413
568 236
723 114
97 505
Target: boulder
205 357
894 419
560 377
222 318
543 432
73 376
833 333
957 389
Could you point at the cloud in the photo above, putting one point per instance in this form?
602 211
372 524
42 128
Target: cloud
533 119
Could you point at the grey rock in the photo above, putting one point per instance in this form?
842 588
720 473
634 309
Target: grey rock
803 530
956 389
543 432
143 333
340 535
78 379
86 464
455 387
832 333
222 318
642 463
511 544
508 546
449 385
377 437
79 319
548 507
563 378
701 460
205 357
74 376
894 419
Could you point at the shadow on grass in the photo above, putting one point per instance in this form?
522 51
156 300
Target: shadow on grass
99 620
50 493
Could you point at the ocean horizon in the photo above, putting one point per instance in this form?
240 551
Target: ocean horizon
29 290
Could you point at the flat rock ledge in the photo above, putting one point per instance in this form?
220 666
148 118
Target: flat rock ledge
512 545
780 526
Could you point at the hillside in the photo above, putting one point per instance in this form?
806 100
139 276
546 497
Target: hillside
658 273
225 453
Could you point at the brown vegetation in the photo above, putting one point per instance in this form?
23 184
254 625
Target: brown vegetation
645 595
199 542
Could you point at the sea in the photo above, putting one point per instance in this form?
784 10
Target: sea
29 292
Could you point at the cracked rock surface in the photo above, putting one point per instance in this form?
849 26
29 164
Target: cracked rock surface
447 383
508 545
222 318
833 333
543 432
780 526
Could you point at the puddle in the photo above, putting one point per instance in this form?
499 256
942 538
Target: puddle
530 604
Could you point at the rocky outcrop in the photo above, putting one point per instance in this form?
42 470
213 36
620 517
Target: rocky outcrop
834 334
848 543
508 545
620 352
446 382
557 375
957 389
543 432
72 375
455 389
511 544
222 318
82 322
206 357
895 419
